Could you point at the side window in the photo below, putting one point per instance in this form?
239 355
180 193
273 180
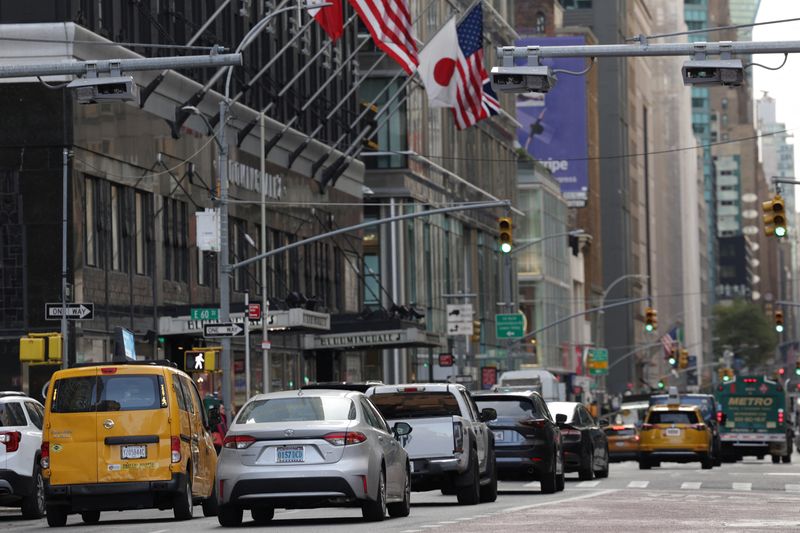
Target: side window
176 386
35 414
196 395
186 393
588 418
369 416
381 422
468 401
11 414
541 407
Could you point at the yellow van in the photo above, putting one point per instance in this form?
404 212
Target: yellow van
121 436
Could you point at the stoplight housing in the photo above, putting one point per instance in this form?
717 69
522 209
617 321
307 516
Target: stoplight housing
797 368
504 228
683 358
774 216
650 319
779 321
673 358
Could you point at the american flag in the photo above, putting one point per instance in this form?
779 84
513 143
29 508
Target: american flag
474 103
389 23
667 342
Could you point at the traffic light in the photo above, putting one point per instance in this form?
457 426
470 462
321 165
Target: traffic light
779 321
650 319
40 348
781 371
683 358
200 360
504 228
476 331
774 216
673 358
797 368
661 384
725 374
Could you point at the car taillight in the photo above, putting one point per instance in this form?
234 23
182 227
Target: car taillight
534 423
780 416
646 427
458 437
617 428
343 439
636 437
44 456
108 370
238 442
11 440
719 417
175 446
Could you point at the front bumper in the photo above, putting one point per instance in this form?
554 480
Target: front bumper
115 496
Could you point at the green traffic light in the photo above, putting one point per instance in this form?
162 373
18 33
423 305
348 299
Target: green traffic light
797 371
779 328
161 340
648 327
660 384
671 361
780 231
505 247
726 378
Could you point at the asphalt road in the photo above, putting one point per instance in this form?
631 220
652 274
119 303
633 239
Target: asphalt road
746 496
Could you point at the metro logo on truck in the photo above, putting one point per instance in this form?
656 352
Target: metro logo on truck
745 401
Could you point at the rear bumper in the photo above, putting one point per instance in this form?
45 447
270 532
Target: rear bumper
675 456
438 472
528 460
14 485
622 455
115 496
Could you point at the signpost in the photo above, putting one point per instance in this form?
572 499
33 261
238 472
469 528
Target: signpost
75 311
597 361
459 319
204 313
222 330
509 325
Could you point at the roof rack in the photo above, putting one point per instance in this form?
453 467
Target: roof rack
149 362
10 393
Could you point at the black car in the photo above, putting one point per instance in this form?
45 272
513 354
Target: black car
527 439
584 441
343 385
708 407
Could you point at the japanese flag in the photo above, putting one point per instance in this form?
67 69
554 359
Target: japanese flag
437 66
329 17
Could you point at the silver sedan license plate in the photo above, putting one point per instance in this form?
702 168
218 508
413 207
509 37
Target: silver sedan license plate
291 454
133 452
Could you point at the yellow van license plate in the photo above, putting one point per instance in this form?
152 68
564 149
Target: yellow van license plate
133 452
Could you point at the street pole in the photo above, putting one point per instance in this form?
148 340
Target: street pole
246 345
265 369
64 206
224 267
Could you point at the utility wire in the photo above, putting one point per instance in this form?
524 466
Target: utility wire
706 30
112 43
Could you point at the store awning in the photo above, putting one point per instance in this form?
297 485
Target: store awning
410 337
296 318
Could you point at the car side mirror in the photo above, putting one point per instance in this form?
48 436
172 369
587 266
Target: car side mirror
401 429
487 414
603 423
561 418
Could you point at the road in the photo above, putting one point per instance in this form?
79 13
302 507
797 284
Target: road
746 496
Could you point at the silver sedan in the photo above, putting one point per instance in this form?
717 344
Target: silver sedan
312 448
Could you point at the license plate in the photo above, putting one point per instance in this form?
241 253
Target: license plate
498 435
619 443
673 432
133 452
291 454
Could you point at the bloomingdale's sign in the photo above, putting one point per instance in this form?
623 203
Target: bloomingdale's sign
250 178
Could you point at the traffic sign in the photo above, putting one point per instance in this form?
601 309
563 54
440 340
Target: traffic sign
204 313
266 345
597 361
445 359
460 328
200 360
254 311
222 330
509 326
75 311
459 312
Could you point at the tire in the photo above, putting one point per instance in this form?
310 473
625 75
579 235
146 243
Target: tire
471 494
229 516
182 504
644 464
57 515
550 481
560 482
211 504
786 458
489 491
587 473
375 511
90 517
33 506
262 515
707 463
403 508
776 459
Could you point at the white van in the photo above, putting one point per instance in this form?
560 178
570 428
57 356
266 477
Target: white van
535 379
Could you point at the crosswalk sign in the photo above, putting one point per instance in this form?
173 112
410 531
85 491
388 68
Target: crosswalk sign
200 360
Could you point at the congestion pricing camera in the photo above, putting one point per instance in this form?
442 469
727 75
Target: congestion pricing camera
106 89
726 72
522 79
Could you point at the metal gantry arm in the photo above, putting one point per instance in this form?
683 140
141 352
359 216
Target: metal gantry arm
571 233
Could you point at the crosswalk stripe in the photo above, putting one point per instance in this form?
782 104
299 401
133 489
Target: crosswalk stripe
532 485
638 484
742 486
588 484
792 487
691 485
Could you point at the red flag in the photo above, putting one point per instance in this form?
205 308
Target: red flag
389 23
329 17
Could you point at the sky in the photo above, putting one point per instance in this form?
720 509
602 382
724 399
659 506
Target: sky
784 84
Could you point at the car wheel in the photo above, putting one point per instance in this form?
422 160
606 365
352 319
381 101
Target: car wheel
587 473
262 515
33 504
776 459
57 515
550 481
211 504
471 494
90 517
644 464
787 458
402 508
182 505
489 491
229 516
375 511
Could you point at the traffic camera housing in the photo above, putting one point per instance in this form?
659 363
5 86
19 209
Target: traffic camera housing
726 72
104 90
522 79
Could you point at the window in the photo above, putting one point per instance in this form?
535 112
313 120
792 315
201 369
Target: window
392 136
35 413
176 238
109 393
11 415
116 234
672 417
513 407
540 23
307 409
176 387
372 280
143 231
89 222
416 404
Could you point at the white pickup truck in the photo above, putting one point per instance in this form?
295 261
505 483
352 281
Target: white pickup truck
450 447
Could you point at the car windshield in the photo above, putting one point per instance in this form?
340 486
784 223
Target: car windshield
510 407
395 405
128 392
672 417
306 409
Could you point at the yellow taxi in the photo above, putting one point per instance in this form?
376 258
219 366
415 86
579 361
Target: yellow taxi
675 433
623 442
121 436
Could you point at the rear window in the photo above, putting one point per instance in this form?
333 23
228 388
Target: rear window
11 415
308 409
416 404
672 417
510 407
129 392
705 403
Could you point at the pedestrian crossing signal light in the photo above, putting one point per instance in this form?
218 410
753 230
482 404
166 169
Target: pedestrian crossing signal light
650 319
779 321
200 360
774 216
504 228
683 358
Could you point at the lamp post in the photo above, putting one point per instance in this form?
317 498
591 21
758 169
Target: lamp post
603 301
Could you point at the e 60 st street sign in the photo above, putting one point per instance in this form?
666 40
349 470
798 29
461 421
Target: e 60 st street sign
204 313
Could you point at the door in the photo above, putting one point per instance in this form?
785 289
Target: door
389 446
202 443
481 431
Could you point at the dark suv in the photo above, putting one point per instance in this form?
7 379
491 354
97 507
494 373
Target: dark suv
527 439
708 406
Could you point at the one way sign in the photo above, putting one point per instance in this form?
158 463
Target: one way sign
222 330
75 311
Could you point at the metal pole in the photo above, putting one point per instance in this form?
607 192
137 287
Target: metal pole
246 345
64 206
224 267
264 302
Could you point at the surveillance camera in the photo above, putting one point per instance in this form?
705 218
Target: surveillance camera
522 79
107 89
727 72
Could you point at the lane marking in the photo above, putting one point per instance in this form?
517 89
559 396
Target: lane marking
411 531
638 484
533 485
790 487
782 473
592 494
692 485
448 522
431 526
742 486
588 483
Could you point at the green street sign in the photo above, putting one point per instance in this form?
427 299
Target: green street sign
204 313
597 361
509 326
